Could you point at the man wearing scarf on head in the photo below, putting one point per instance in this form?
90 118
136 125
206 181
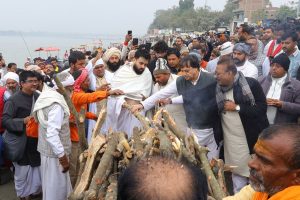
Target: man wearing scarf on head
112 59
11 83
80 98
52 113
100 78
240 54
136 81
242 107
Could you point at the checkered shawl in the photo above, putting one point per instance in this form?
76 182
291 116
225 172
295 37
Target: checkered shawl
242 82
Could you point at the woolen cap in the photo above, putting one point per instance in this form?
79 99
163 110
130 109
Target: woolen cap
283 60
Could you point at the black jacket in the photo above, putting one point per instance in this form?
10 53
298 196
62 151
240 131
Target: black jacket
17 107
254 118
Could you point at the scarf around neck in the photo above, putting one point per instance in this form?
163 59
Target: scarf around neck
239 79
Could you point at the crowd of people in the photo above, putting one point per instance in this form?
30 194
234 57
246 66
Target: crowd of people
225 89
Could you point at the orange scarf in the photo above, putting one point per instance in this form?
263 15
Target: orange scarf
290 193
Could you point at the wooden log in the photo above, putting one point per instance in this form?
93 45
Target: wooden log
137 144
111 193
80 125
172 125
218 193
165 145
145 122
81 130
99 123
148 138
103 167
221 176
97 143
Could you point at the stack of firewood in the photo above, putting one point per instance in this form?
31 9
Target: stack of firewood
107 156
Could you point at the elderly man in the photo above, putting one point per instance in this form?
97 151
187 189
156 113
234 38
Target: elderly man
242 107
197 88
256 56
100 79
52 113
241 52
16 115
136 82
112 59
163 78
169 179
80 98
274 167
282 92
11 83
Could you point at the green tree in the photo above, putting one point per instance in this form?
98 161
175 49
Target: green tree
286 11
259 15
186 5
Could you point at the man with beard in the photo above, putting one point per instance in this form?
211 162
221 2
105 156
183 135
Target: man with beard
256 56
273 48
180 44
76 61
136 82
196 91
80 98
274 167
240 54
173 57
242 108
11 82
112 58
245 32
100 79
289 46
267 37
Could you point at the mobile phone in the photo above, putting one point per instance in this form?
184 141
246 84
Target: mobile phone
135 41
129 32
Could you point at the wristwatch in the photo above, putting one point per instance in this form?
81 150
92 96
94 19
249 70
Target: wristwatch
237 108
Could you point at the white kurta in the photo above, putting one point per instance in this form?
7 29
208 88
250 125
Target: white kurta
175 110
249 70
94 84
136 87
236 150
27 180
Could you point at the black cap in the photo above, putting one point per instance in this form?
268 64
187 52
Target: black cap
283 60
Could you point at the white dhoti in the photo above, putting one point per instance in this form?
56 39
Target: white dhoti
27 180
56 185
206 138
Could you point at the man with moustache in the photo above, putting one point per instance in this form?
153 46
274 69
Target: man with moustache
11 83
241 52
135 80
274 167
112 59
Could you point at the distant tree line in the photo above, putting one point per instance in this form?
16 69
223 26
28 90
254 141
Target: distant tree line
189 18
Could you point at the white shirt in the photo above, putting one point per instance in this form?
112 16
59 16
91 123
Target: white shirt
248 69
275 89
55 118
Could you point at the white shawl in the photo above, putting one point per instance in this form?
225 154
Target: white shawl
47 98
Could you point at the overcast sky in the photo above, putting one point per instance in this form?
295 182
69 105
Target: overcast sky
88 16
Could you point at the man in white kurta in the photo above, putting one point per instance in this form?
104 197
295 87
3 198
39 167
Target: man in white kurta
163 78
54 145
100 78
136 81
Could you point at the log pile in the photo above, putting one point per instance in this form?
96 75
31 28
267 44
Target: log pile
107 156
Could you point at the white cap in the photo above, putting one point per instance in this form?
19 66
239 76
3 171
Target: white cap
226 48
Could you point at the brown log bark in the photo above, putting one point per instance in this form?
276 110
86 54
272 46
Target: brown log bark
99 123
81 129
111 193
172 125
97 143
217 191
103 167
165 145
145 122
148 137
137 144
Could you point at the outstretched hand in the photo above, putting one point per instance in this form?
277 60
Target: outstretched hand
116 92
137 107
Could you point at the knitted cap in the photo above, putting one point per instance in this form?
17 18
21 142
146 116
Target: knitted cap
283 60
161 67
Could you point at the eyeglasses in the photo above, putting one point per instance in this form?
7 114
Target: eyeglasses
31 81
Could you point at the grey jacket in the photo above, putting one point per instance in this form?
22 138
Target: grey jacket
290 96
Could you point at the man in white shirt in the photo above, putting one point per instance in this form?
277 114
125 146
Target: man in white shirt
282 92
241 51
